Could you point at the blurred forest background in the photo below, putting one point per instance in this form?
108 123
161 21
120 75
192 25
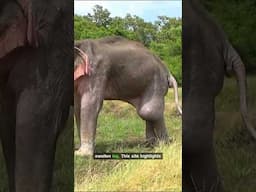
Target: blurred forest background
163 37
238 20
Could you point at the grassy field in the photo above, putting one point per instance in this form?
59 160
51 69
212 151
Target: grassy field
121 130
234 146
63 171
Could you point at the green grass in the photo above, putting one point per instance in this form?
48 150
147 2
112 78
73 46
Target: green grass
63 180
235 148
121 130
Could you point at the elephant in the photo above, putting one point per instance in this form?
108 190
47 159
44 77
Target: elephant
36 87
115 68
208 57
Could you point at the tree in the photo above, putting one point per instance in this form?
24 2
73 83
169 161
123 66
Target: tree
100 16
238 19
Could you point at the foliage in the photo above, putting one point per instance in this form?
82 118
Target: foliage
163 37
238 19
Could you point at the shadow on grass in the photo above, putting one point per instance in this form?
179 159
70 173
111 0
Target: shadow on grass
110 146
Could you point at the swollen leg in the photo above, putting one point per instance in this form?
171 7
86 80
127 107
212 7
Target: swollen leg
153 113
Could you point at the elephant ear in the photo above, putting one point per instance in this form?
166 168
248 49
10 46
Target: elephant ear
79 71
83 61
13 28
88 47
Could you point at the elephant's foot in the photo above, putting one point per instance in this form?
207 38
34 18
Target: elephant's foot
165 140
86 149
152 142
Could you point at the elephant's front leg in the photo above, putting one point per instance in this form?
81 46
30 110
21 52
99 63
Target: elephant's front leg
91 103
38 117
77 108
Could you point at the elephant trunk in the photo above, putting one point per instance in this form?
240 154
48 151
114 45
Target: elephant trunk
238 67
173 83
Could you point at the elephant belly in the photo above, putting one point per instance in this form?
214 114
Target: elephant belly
124 89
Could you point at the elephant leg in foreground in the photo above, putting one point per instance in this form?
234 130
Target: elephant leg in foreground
90 105
36 140
199 169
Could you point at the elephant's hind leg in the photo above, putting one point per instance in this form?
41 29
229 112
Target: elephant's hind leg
152 111
156 131
151 137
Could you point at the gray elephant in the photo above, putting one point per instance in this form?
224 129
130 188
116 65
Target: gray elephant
207 57
36 86
119 69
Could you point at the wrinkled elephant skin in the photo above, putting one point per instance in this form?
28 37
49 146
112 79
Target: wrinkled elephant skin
36 85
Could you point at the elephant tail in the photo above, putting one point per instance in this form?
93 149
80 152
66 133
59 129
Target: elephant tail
173 83
235 64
